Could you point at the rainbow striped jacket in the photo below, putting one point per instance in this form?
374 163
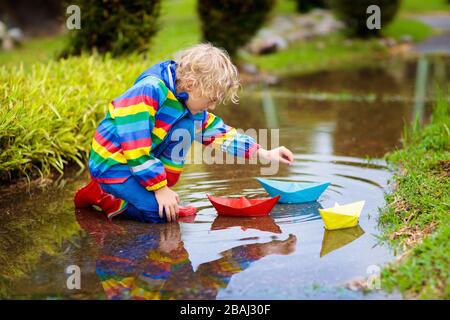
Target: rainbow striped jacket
140 119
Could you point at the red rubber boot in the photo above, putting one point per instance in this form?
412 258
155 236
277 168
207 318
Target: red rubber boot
93 195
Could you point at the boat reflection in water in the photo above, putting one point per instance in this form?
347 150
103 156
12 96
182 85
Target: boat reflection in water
335 239
260 223
142 261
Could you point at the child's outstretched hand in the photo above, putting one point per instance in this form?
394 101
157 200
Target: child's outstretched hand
280 154
167 200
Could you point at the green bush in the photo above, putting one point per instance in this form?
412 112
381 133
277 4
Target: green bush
230 24
48 115
116 26
353 14
307 5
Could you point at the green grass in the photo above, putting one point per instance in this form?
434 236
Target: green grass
425 6
180 28
33 51
417 30
285 7
326 53
419 209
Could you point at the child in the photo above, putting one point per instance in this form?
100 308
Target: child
133 161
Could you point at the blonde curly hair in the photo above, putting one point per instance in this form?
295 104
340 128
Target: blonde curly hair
210 70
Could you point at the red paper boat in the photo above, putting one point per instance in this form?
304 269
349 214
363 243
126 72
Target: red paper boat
243 207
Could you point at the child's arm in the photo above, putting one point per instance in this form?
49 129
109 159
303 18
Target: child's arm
216 132
221 135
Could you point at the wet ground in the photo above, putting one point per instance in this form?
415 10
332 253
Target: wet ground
440 42
338 124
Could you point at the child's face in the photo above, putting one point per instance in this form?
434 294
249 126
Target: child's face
197 103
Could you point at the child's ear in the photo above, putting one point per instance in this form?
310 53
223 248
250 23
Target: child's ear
188 85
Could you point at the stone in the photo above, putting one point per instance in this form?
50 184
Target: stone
249 68
269 44
406 38
283 30
16 34
298 35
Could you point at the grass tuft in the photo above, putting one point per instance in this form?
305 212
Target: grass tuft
48 114
417 215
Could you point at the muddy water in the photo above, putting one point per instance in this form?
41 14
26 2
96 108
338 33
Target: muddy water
287 255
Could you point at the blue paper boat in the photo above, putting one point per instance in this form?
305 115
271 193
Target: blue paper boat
293 192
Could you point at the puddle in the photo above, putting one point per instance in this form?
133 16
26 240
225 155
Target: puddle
287 255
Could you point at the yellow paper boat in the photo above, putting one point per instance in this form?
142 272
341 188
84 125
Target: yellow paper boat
341 216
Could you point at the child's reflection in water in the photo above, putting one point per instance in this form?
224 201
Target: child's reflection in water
150 261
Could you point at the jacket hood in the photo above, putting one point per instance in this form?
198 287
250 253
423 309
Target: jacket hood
167 73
